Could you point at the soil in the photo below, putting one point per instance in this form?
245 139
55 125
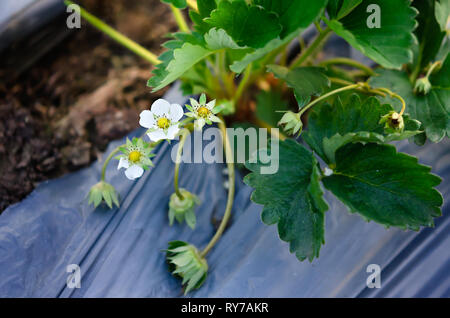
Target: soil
61 113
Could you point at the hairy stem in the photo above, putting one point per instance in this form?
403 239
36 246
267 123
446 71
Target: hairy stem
433 67
182 25
117 36
394 95
367 89
183 135
108 159
336 91
227 214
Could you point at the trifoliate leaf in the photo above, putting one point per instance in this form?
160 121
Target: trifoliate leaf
432 109
292 198
180 4
306 81
338 9
248 25
384 186
387 42
293 15
351 116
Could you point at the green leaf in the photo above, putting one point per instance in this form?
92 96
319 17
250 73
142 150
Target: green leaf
388 45
442 12
292 197
350 116
306 81
428 33
387 187
432 110
293 15
183 59
205 7
239 65
332 144
217 39
248 25
338 9
269 107
180 4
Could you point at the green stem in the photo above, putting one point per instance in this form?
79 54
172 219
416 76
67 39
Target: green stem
192 4
179 18
343 82
350 62
336 91
243 83
432 68
226 216
118 37
312 48
183 136
108 159
394 95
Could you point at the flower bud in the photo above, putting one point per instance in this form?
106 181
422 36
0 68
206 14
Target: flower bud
291 123
422 86
103 191
183 209
186 262
393 122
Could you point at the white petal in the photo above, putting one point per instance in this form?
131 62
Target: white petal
214 118
147 119
194 103
160 107
123 163
134 172
176 112
156 135
172 131
211 104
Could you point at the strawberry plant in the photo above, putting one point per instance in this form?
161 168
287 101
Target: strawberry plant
342 115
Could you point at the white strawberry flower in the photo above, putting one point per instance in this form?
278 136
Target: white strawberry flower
135 158
204 113
162 120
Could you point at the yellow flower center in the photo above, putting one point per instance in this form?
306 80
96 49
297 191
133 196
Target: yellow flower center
163 123
134 156
203 112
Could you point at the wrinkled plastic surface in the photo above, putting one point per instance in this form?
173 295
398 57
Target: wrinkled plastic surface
19 18
120 251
